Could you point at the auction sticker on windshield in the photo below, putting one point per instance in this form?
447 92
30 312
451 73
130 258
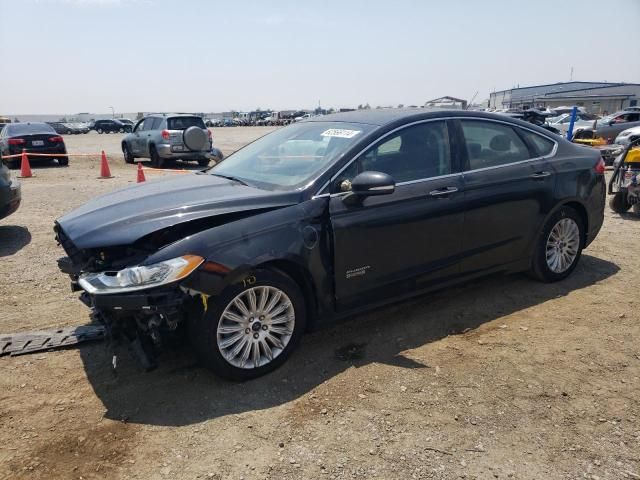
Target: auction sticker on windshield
340 133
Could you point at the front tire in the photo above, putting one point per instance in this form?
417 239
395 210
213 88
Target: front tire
252 327
559 246
100 131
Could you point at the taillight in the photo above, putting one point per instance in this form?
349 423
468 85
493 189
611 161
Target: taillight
56 139
599 168
165 134
16 141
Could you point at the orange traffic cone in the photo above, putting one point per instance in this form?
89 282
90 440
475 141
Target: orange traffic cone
104 167
25 168
140 174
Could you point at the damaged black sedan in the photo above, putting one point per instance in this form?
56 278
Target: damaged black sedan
324 218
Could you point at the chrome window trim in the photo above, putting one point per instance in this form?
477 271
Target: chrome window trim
553 150
440 119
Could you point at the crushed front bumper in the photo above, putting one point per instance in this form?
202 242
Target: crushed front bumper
142 321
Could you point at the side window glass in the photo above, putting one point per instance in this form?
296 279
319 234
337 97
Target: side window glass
147 123
414 153
491 144
138 126
543 145
156 123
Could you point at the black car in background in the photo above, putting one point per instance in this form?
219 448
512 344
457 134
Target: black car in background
61 128
34 137
111 126
325 218
10 195
127 122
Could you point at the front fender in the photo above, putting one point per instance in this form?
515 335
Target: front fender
295 234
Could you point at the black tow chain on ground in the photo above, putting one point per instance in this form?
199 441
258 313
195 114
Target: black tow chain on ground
15 344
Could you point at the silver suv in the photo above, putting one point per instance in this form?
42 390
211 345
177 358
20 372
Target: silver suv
169 136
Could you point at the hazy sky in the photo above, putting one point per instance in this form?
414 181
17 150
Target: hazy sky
68 56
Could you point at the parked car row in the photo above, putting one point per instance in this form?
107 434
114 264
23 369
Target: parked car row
65 128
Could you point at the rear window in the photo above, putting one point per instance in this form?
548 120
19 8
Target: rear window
28 128
182 123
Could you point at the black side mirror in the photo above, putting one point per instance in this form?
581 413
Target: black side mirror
368 184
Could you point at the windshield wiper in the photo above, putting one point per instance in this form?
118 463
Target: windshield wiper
230 177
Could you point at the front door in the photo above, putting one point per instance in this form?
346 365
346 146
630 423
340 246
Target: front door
393 244
136 138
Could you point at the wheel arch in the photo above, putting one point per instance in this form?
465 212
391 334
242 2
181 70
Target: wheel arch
303 278
584 216
580 208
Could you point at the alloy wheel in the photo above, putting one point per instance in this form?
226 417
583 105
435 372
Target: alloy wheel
563 245
255 327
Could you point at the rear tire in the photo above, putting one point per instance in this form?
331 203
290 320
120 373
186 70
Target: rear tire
156 160
203 162
559 246
619 203
63 161
121 130
128 156
100 131
208 339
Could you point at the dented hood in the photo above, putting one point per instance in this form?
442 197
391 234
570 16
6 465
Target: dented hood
124 216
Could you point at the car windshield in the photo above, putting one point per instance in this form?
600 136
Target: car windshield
182 123
28 128
291 156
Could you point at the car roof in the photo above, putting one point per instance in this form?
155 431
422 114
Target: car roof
387 116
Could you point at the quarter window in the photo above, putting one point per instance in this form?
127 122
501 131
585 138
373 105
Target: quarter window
156 123
492 144
543 145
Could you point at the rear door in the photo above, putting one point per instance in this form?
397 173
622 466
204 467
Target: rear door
145 135
393 244
509 188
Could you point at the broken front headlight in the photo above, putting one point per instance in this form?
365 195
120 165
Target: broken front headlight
140 277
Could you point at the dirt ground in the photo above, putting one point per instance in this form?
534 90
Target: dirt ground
501 378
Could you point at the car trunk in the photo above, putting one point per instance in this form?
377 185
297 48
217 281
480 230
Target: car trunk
36 141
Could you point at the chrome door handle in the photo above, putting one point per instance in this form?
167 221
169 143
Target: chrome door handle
539 175
443 191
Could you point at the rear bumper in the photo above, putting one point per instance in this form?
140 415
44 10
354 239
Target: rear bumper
595 207
10 198
59 150
166 150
